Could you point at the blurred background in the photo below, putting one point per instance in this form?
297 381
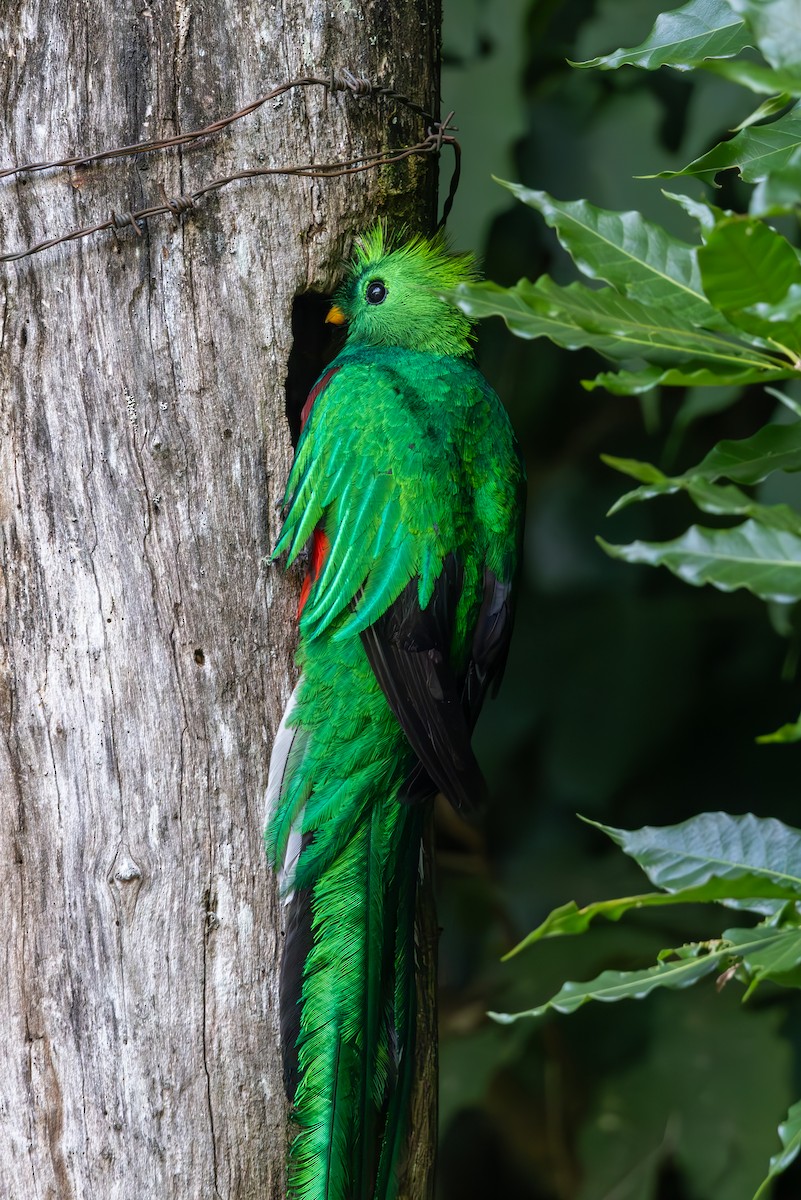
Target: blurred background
629 697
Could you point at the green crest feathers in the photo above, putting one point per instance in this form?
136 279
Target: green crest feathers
431 255
417 273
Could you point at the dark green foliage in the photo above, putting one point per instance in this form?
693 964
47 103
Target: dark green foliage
629 697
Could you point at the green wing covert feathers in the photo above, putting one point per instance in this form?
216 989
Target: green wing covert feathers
407 488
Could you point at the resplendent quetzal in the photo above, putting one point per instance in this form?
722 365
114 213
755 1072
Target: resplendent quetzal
407 484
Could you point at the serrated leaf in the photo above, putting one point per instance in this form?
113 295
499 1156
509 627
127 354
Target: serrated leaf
615 326
756 152
714 845
790 1135
766 562
744 262
682 39
625 250
693 963
776 29
568 920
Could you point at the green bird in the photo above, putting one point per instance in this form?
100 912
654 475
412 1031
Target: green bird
407 489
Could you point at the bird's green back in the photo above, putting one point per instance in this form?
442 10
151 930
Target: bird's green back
406 483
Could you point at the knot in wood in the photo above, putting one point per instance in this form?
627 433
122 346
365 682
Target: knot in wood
125 869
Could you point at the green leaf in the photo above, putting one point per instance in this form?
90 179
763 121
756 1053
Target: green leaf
753 275
568 920
633 383
677 968
780 191
707 215
786 400
756 152
729 501
776 28
745 262
780 86
616 326
775 325
693 963
646 473
750 460
714 846
774 957
632 254
767 562
790 1135
768 108
709 497
784 735
682 39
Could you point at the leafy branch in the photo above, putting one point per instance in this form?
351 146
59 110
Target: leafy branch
744 863
721 312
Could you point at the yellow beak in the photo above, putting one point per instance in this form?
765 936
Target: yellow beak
335 316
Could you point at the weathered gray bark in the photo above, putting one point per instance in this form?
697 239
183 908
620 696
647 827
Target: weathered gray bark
145 649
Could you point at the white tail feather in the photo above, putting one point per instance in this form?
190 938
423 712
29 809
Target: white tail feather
282 747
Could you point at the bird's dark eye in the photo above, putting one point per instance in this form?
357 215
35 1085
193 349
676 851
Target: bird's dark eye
376 292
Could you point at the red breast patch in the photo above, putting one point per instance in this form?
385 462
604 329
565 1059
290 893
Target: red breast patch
319 552
322 382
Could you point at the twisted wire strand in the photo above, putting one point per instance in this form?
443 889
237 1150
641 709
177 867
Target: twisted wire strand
338 81
439 133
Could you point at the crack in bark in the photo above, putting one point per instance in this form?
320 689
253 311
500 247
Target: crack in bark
207 905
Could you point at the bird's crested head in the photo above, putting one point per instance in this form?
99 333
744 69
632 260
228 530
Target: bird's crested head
395 294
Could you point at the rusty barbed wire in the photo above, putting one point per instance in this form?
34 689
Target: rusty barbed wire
437 137
440 133
337 81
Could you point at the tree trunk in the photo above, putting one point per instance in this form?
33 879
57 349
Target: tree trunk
145 647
